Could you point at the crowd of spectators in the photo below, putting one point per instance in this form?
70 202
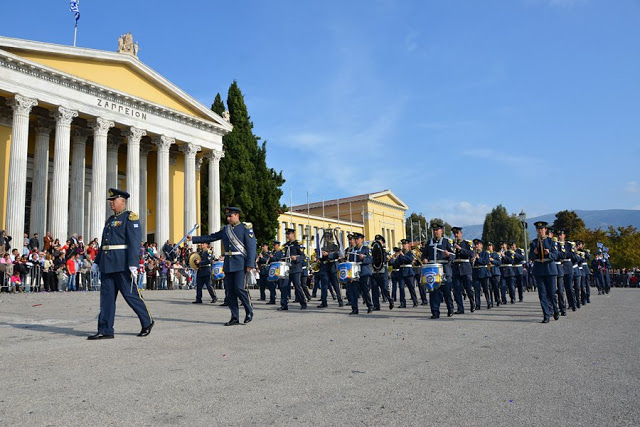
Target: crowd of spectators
50 266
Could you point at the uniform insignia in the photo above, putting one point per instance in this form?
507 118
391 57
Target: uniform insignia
470 242
133 216
248 225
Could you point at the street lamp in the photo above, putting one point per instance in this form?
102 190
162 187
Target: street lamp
523 221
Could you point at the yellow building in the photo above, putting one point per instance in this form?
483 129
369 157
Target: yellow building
76 121
373 213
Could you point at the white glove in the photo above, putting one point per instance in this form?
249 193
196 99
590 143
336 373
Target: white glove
134 271
95 268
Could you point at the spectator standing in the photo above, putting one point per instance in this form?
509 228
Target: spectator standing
48 241
34 243
71 270
25 244
49 274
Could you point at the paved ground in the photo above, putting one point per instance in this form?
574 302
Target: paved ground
321 367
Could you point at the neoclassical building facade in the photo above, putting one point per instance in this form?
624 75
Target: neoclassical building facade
75 122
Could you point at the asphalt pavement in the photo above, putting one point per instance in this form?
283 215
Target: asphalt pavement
319 366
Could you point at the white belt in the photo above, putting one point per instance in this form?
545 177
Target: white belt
113 247
229 253
455 261
506 265
583 264
566 260
575 266
559 263
406 266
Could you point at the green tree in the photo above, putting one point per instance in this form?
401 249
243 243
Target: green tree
218 106
570 222
500 226
447 227
415 226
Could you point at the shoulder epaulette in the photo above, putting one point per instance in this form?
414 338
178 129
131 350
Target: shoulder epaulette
470 242
450 241
248 225
133 216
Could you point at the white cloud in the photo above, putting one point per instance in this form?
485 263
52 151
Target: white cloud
456 212
632 187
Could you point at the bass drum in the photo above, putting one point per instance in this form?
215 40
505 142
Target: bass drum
377 253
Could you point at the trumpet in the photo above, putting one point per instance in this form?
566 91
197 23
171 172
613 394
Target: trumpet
417 257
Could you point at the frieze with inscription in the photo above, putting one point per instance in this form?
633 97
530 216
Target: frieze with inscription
122 109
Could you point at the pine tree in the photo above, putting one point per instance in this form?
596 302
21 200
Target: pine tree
218 106
570 222
500 226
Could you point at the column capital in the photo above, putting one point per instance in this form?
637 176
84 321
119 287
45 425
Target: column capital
145 149
214 156
134 135
43 125
113 142
164 143
189 149
21 104
80 135
101 126
63 116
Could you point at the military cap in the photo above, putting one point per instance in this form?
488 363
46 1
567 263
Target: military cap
232 210
396 249
540 224
501 242
264 244
358 236
289 230
436 225
561 231
476 241
489 243
350 236
276 242
579 242
404 241
380 237
512 242
456 229
551 229
114 193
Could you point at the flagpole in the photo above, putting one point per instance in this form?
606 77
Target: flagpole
75 34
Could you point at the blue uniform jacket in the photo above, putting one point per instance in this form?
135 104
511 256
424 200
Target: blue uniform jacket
122 229
518 259
445 245
480 266
585 264
567 256
561 255
244 233
204 267
263 263
548 266
496 262
293 248
405 260
305 265
365 263
462 264
328 263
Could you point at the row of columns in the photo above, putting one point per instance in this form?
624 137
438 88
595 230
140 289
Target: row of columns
69 181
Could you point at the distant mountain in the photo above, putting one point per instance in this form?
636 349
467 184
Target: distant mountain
592 219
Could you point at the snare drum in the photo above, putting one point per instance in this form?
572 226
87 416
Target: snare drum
218 273
348 271
278 270
432 276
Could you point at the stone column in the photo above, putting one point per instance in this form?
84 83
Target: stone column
99 177
144 152
59 203
214 194
40 177
199 161
162 189
78 161
133 136
189 151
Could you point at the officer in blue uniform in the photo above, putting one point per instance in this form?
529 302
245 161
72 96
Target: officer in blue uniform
380 280
276 255
481 273
305 273
203 275
566 255
495 260
518 269
328 273
395 273
239 243
440 250
506 270
544 254
263 268
294 254
587 272
362 256
404 262
462 270
560 288
117 261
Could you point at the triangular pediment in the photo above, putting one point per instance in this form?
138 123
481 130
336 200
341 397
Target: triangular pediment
388 197
119 71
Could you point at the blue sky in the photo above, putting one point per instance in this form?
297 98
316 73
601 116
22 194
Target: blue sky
456 106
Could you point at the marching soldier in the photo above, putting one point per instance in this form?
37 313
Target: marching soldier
560 288
544 254
405 263
292 248
263 268
439 249
305 273
506 270
396 278
278 255
380 279
329 276
565 256
481 273
239 244
362 256
587 272
203 275
496 261
518 269
462 270
117 261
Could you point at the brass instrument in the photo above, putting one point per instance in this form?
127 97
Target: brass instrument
314 264
417 257
194 260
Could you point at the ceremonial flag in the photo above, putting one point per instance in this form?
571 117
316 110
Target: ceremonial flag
74 6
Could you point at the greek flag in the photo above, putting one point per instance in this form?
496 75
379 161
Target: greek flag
74 6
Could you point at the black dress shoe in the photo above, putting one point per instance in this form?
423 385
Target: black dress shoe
340 304
214 300
545 320
369 310
304 307
415 304
146 331
224 304
403 306
322 306
449 313
283 308
424 303
248 318
232 322
271 303
353 312
564 313
376 309
433 316
99 336
196 302
473 309
459 312
390 305
556 316
573 309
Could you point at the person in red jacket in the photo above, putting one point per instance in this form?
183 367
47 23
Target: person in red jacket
72 270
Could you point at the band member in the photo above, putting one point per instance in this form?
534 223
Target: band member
462 270
262 264
362 256
380 277
117 261
329 271
439 249
506 269
405 264
597 265
396 277
518 269
203 275
544 254
577 276
417 276
496 261
587 273
560 288
481 273
294 254
239 244
305 273
278 255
